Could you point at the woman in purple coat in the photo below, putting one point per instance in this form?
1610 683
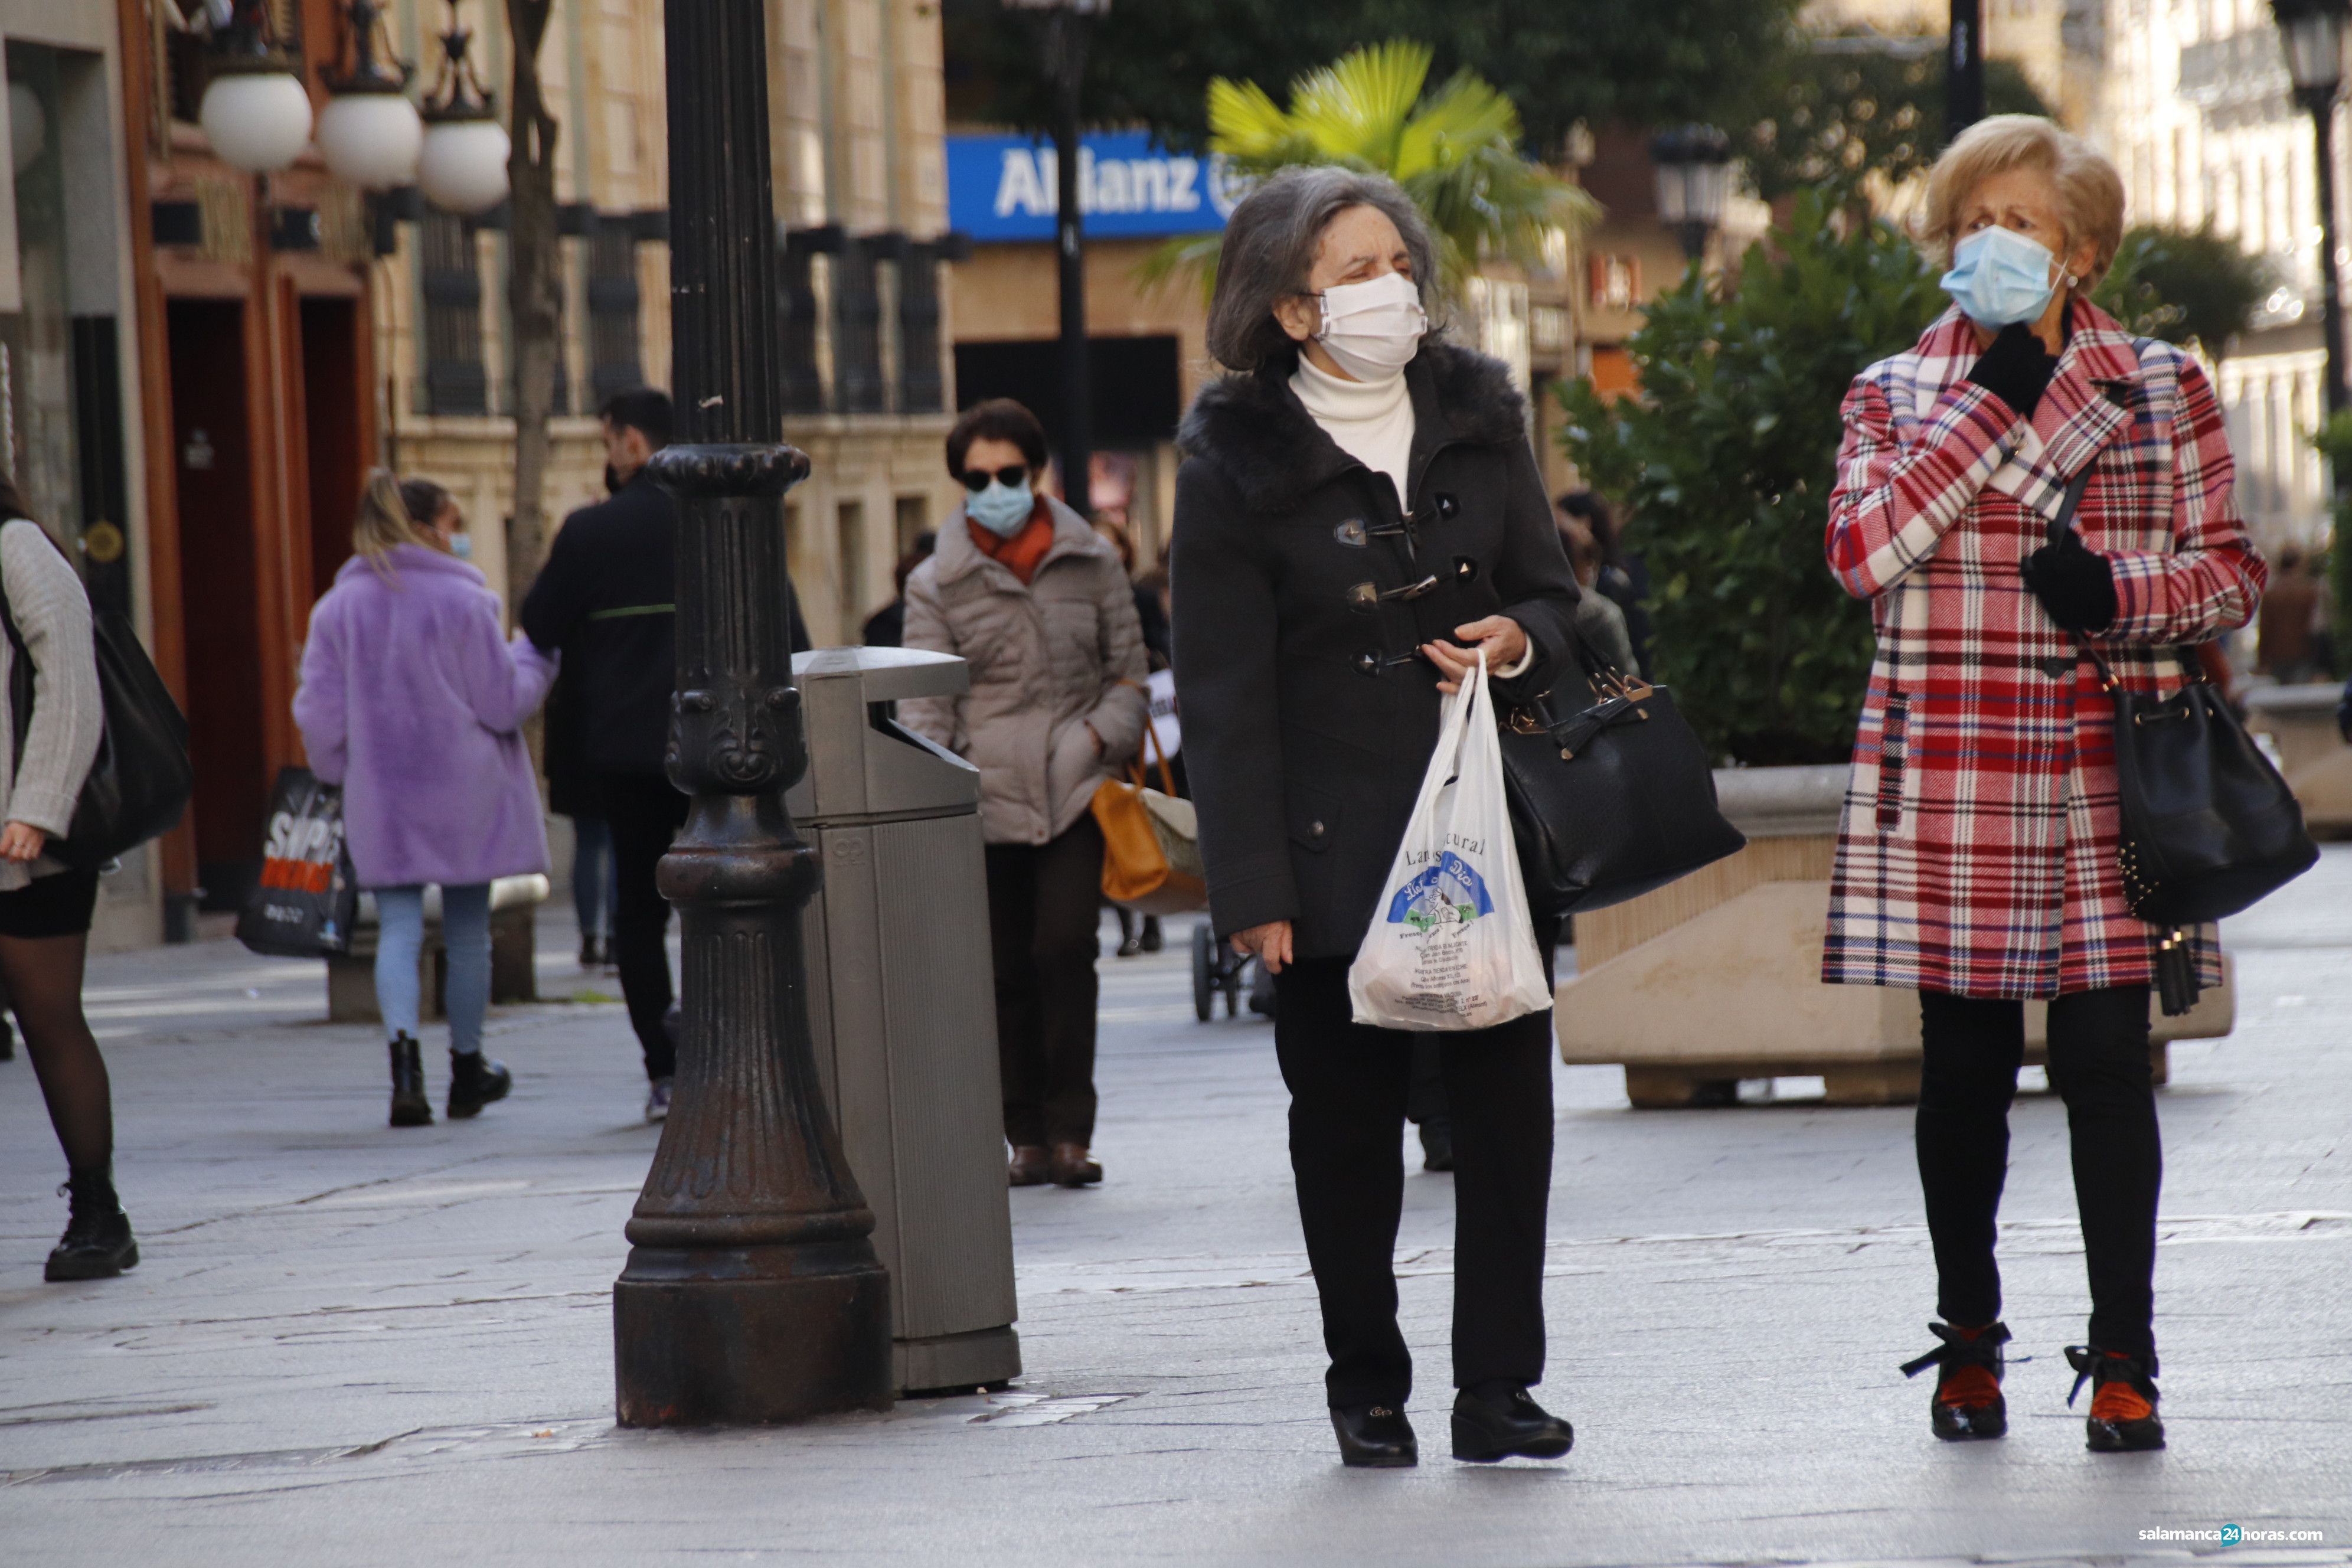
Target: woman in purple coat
412 699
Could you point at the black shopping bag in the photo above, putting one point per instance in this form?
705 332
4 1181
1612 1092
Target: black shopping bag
305 903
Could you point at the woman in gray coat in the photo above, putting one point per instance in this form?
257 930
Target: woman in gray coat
44 904
1036 602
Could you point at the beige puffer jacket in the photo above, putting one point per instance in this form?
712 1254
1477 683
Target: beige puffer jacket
1046 661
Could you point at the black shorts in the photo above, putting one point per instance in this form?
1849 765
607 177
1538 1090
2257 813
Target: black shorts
59 904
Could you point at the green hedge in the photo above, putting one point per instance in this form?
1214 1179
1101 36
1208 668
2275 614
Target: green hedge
1724 465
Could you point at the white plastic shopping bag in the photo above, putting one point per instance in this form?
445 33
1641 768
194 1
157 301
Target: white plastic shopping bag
1451 945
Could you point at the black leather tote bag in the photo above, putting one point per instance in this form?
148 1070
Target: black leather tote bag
2208 826
142 777
1612 801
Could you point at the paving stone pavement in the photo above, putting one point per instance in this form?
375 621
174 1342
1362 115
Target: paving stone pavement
351 1345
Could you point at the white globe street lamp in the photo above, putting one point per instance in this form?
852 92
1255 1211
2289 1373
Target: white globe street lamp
463 168
1694 174
369 133
258 121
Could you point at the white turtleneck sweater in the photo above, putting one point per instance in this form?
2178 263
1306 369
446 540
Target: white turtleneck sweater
1372 421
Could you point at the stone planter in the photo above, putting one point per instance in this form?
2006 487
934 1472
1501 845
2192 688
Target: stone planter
2301 722
1717 978
514 948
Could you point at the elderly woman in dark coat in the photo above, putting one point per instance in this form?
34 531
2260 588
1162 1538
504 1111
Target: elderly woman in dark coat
1360 512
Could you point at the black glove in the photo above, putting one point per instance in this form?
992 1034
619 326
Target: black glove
2075 585
2017 369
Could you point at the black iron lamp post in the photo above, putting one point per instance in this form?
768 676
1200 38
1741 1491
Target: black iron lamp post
1693 170
2312 31
1065 58
752 1293
1964 83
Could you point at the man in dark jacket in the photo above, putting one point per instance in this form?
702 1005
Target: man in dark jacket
605 597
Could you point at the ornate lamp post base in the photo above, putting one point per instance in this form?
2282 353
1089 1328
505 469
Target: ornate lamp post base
753 1335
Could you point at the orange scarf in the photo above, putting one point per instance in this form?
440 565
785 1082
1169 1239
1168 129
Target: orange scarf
1026 551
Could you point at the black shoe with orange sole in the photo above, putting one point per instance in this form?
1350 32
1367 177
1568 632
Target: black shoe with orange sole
1967 1403
2122 1418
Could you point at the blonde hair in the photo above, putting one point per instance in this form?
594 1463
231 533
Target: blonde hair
382 524
2089 193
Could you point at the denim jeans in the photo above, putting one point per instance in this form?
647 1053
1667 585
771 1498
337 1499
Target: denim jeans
465 934
595 888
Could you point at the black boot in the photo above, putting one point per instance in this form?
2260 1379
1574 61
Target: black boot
1487 1427
475 1080
97 1244
2122 1418
1375 1436
410 1108
1968 1401
1437 1143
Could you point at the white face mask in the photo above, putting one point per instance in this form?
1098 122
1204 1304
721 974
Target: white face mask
1372 330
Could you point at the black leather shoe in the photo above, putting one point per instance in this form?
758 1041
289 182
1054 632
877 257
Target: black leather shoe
1967 1403
475 1081
1485 1430
1375 1436
1437 1144
2122 1418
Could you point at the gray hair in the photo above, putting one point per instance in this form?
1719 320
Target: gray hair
1269 252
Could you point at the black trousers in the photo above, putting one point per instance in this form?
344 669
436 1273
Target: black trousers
644 812
1347 1087
2099 1064
1043 902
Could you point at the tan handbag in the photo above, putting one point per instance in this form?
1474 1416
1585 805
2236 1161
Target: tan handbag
1151 841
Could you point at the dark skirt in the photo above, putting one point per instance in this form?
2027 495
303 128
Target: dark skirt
59 904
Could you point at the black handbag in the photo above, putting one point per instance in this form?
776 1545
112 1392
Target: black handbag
1611 802
2208 826
140 783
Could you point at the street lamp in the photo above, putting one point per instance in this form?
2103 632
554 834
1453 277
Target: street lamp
2312 31
1694 170
255 112
752 1293
1065 59
369 133
463 166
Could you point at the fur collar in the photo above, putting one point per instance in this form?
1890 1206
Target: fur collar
1254 427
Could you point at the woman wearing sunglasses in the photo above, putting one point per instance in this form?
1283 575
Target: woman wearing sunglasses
1036 602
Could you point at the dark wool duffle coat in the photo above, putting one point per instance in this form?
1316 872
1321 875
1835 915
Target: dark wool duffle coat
1977 851
1309 717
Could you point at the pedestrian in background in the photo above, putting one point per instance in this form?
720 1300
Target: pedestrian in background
607 594
1620 577
1976 860
886 627
1039 606
1359 495
1140 933
571 792
412 699
1600 620
46 905
2291 622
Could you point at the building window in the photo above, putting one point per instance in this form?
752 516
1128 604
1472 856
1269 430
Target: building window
613 364
857 384
798 311
921 389
849 520
912 519
451 282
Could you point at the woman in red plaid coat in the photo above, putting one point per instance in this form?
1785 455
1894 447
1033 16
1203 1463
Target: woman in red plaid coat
1976 858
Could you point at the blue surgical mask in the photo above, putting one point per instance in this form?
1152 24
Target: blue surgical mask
1001 509
1998 276
461 545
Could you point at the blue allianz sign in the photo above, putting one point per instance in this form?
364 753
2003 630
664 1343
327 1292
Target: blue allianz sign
1004 187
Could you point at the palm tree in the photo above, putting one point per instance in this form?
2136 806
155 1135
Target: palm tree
1456 153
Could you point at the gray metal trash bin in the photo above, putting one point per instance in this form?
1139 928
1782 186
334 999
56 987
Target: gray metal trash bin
902 1007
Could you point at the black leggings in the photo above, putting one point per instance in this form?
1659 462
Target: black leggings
2100 1067
43 977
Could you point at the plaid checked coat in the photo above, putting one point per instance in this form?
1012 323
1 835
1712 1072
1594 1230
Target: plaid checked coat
1977 855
